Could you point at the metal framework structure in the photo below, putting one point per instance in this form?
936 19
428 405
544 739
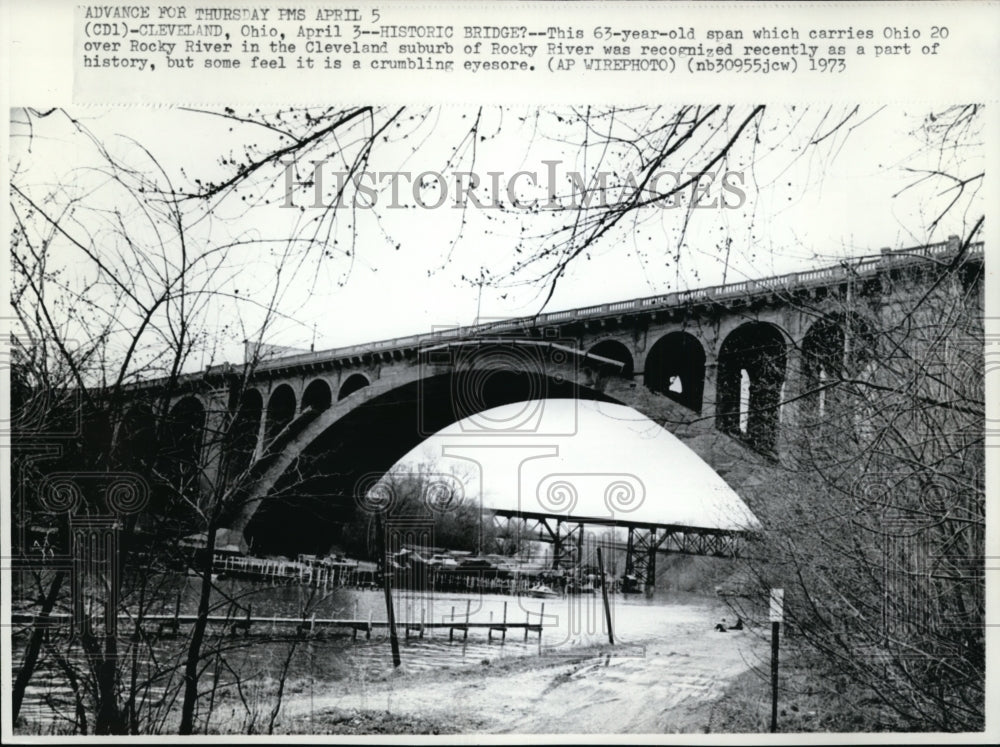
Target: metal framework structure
644 541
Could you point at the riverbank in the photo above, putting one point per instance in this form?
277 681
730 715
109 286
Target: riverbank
666 684
810 700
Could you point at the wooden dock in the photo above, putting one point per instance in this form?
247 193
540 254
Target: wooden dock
327 574
169 625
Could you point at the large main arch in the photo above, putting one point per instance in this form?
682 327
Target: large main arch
309 483
318 476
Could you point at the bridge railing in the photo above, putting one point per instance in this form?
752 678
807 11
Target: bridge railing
861 267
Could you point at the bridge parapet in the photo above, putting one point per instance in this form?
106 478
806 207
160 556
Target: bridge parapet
861 268
865 267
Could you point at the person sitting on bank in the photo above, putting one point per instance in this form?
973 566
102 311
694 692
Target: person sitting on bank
721 626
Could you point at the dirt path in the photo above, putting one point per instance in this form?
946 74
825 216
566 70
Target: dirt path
667 686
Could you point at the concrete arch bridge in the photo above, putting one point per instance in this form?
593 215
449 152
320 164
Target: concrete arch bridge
729 370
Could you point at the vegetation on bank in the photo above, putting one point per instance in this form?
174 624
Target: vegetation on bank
811 698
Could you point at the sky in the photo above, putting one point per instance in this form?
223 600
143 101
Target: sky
414 269
811 198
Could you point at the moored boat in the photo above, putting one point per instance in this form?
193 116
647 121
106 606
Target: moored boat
541 591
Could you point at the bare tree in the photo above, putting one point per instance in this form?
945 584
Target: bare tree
877 534
113 284
121 268
426 490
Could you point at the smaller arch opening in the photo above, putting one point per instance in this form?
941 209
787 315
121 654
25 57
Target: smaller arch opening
675 366
351 384
244 430
179 459
615 351
280 411
834 347
751 378
137 442
317 396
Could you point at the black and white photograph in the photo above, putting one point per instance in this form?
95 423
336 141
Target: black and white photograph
342 419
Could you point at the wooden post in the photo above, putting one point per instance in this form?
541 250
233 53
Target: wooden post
422 611
503 639
776 615
541 622
468 608
387 588
393 638
306 626
774 676
604 593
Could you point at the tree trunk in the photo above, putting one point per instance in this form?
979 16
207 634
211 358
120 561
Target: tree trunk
109 718
35 643
197 637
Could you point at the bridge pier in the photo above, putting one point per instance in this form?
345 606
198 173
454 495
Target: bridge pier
557 546
640 559
630 553
651 565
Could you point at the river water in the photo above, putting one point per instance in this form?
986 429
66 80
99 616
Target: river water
569 623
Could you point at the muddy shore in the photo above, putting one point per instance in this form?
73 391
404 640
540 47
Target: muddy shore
661 685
